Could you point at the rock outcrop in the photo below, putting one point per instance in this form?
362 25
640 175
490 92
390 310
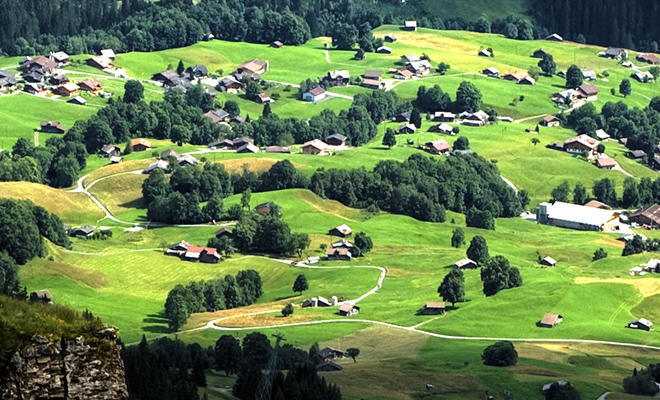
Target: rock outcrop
73 369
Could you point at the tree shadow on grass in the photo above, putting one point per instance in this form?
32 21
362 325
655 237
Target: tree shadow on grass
286 297
137 203
156 329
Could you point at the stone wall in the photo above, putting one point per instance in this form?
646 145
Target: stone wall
73 369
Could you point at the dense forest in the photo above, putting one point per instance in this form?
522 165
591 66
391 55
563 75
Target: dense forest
77 26
630 24
171 370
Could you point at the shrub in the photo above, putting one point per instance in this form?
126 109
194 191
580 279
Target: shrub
500 354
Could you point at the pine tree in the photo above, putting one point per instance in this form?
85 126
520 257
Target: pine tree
266 112
180 68
300 285
389 139
416 118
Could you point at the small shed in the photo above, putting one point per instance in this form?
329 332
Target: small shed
642 324
224 232
548 262
411 26
550 320
434 308
348 309
276 44
466 263
83 231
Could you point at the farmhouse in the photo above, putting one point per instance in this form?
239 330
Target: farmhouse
108 53
573 216
550 320
140 144
648 58
581 143
329 354
648 215
42 296
60 58
384 50
202 254
340 253
442 128
34 88
167 78
373 75
229 85
410 26
466 263
372 84
314 95
540 53
606 163
589 74
636 154
492 72
159 164
341 231
99 62
78 100
263 98
277 149
52 127
83 231
444 116
479 118
268 208
336 140
440 146
217 116
337 78
328 367
197 71
402 117
68 89
247 148
550 121
90 85
109 150
422 67
602 135
315 147
516 76
548 262
616 53
7 80
434 308
242 141
348 309
643 76
406 128
565 96
405 59
403 74
642 324
588 92
253 67
222 144
56 80
44 64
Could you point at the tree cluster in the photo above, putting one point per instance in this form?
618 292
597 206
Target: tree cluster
643 382
165 370
635 194
498 275
267 234
218 294
301 382
421 187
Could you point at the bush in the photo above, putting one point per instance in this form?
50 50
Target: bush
287 310
599 254
500 354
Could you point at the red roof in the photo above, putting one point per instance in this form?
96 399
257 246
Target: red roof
317 91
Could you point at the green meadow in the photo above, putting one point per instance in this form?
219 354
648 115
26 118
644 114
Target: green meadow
125 279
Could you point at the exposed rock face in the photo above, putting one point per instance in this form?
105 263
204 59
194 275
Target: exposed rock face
66 370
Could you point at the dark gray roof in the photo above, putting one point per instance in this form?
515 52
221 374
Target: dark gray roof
336 136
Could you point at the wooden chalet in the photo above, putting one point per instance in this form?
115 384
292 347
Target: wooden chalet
91 85
328 354
140 144
328 367
646 216
315 147
340 253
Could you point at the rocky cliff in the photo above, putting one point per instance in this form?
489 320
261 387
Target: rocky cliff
69 369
